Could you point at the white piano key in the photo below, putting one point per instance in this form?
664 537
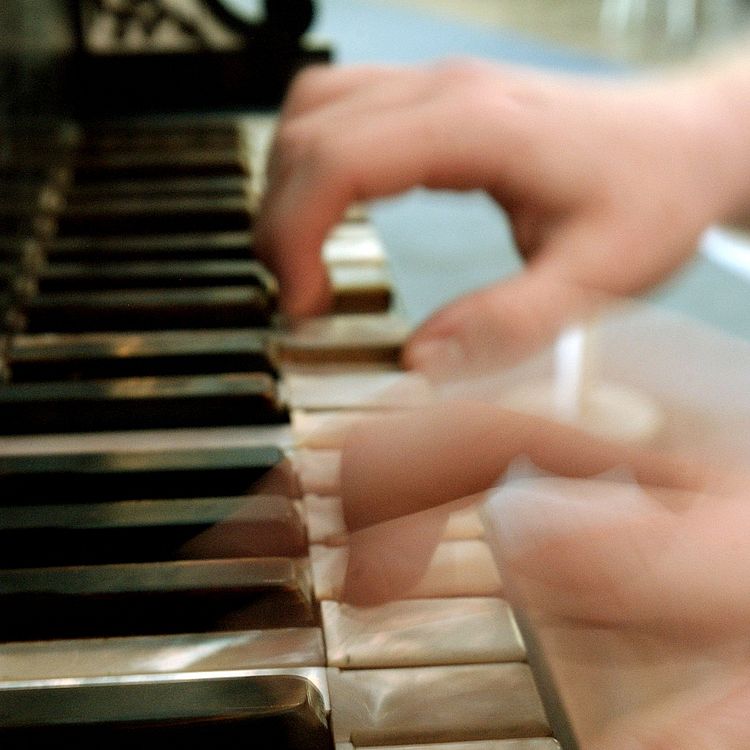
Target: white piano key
324 516
138 440
358 390
435 704
324 429
372 337
421 632
540 743
359 276
456 568
318 471
100 657
354 242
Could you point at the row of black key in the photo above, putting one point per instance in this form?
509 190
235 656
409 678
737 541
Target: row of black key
121 332
93 290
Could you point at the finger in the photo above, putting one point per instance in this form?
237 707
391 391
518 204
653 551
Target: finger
405 463
319 85
321 100
380 153
602 553
589 258
387 560
703 716
583 266
496 326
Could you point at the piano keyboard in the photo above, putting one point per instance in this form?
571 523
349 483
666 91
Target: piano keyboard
171 557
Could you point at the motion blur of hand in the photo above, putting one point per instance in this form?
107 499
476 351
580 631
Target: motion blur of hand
631 564
608 183
637 579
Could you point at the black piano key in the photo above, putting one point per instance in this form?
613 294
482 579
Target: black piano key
12 319
266 711
116 476
76 277
182 134
16 282
140 141
100 601
24 259
152 215
140 404
30 197
95 356
35 170
135 531
27 224
203 187
159 163
150 309
174 247
24 252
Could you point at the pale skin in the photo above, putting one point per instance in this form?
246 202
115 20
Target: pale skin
637 586
608 186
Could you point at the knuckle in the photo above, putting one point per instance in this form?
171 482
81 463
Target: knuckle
319 153
467 85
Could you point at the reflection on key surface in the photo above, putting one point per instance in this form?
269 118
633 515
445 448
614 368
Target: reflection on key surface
154 214
137 165
126 248
150 309
268 710
76 277
53 357
132 475
154 598
150 531
140 403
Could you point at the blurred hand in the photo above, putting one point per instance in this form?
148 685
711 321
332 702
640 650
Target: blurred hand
608 184
631 564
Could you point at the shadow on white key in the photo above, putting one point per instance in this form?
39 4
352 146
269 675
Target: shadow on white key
324 516
193 652
364 574
318 471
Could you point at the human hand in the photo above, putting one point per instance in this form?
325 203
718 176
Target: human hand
608 185
629 563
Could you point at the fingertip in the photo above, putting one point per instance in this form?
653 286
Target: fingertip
437 347
497 326
302 285
306 297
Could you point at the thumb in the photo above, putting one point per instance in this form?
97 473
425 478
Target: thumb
497 326
580 266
